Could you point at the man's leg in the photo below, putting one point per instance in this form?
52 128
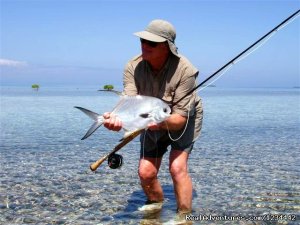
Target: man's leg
181 180
148 170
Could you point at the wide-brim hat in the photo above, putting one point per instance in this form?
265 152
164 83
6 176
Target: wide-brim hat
160 31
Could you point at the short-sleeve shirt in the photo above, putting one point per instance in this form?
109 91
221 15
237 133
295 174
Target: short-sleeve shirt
171 83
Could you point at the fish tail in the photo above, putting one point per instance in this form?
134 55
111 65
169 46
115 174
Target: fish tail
94 116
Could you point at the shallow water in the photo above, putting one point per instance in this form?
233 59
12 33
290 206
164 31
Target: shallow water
246 161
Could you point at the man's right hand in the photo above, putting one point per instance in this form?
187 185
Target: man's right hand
112 122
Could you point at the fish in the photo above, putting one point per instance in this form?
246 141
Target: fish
135 112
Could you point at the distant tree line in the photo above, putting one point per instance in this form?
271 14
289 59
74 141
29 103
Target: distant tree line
108 87
35 87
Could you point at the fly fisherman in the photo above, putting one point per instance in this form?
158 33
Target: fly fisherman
161 72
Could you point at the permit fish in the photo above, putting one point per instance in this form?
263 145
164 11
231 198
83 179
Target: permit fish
135 112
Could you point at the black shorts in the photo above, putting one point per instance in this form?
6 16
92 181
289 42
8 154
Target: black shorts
154 144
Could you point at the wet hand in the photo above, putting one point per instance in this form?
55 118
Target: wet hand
112 122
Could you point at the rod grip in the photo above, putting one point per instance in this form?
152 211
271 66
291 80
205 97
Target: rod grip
96 164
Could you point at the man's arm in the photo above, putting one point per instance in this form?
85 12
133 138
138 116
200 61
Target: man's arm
174 122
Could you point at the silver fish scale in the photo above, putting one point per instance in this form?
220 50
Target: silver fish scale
136 112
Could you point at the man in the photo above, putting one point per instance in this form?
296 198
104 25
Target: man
161 72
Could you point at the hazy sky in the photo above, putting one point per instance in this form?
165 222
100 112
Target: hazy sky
74 42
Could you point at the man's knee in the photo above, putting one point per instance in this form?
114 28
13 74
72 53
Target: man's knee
148 169
147 174
178 170
178 164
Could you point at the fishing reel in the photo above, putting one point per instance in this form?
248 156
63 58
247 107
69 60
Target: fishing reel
115 161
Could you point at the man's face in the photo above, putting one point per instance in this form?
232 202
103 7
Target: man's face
153 50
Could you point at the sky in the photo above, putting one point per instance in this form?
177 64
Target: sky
88 42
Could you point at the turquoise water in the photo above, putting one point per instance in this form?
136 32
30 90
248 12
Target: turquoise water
246 161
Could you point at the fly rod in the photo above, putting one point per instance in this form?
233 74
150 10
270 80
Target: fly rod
239 55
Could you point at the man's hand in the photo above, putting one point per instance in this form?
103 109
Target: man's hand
112 122
154 126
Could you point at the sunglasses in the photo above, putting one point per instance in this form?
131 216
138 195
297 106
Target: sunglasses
149 43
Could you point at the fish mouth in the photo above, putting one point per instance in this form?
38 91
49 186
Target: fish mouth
166 116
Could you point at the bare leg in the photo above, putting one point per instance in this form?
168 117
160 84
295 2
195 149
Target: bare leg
148 170
181 180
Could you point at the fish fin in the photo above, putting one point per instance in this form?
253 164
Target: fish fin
92 115
145 115
96 117
122 99
92 129
127 134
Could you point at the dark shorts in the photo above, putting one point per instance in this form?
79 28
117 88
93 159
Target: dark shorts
154 144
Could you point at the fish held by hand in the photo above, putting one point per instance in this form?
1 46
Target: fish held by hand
134 112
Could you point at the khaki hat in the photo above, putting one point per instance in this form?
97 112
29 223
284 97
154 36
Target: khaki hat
160 31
